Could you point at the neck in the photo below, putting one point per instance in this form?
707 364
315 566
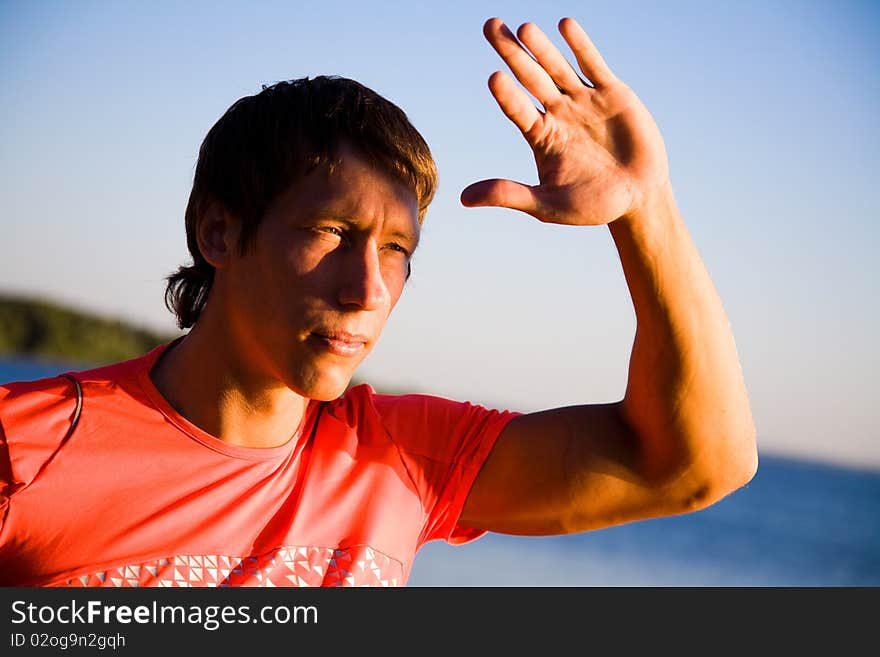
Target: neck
202 381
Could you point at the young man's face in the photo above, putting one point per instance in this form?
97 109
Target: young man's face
310 296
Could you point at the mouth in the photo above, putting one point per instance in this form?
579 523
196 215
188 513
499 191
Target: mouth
340 343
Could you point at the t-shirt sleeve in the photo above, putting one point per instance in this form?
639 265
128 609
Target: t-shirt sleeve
6 479
34 418
443 444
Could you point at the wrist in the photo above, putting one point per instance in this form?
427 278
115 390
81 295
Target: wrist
655 210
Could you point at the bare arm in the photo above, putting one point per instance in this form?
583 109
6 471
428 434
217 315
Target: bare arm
683 436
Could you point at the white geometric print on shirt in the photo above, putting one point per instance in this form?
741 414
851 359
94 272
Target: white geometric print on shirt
357 565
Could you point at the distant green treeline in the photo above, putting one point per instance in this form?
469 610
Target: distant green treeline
44 329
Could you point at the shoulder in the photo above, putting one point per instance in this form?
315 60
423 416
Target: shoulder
36 416
118 373
41 396
109 374
24 399
364 398
419 423
362 403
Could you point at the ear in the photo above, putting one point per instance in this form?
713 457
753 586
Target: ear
218 234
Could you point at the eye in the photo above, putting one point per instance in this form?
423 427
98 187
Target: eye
332 234
394 246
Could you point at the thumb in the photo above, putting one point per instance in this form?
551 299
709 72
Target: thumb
502 193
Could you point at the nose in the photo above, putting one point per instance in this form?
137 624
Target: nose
363 287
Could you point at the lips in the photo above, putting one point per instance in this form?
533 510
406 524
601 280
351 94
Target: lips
341 343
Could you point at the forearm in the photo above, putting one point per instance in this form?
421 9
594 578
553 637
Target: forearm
686 399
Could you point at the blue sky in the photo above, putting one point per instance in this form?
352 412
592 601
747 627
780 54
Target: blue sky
769 112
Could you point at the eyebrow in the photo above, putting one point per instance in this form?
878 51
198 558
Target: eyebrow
406 237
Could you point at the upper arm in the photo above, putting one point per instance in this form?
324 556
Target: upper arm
568 470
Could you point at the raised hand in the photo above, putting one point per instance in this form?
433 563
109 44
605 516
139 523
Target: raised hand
598 152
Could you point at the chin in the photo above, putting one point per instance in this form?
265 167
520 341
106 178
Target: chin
324 387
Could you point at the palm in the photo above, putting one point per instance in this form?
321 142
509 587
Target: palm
598 151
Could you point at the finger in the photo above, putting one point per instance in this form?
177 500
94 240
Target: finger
524 67
500 193
588 57
549 57
514 102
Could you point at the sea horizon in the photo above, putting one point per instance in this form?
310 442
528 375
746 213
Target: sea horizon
18 367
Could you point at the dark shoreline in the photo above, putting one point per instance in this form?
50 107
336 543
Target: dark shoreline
48 331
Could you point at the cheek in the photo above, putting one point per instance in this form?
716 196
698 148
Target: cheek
292 270
394 276
302 257
395 269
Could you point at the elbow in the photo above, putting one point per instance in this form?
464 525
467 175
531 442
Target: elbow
749 469
741 454
724 475
709 491
744 458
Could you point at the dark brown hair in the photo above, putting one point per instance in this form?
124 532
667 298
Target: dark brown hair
264 142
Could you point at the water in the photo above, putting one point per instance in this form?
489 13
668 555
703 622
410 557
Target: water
797 523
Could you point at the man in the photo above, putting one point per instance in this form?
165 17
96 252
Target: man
235 455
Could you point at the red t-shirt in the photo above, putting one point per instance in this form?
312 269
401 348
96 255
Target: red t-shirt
139 496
